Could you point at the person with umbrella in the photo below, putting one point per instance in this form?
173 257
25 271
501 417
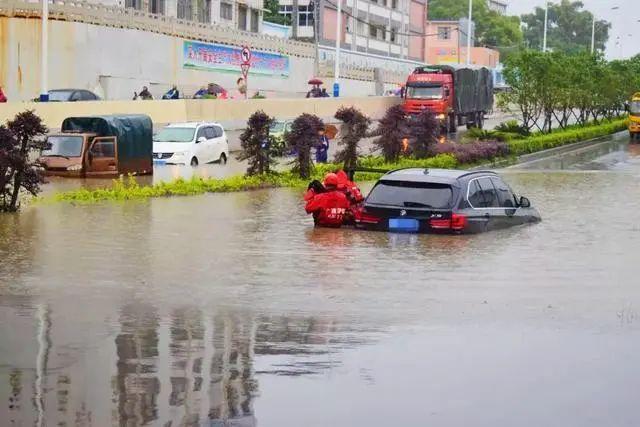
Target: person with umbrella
315 91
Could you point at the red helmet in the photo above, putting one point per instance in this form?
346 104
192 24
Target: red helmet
331 179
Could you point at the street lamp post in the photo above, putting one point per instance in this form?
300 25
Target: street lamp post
336 65
469 32
546 21
44 52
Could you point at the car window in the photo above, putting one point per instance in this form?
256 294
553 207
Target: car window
476 198
77 96
103 149
411 194
219 131
87 96
201 133
488 193
506 199
209 133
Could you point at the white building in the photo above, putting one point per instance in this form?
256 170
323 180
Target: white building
499 6
243 15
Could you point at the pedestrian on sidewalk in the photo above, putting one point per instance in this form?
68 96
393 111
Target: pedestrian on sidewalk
322 149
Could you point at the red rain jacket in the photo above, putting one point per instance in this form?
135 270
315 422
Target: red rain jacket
2 97
348 187
328 208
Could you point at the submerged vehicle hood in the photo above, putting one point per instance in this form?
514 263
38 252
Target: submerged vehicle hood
171 147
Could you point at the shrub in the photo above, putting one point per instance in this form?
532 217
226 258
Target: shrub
257 144
513 127
472 152
424 131
17 172
391 131
303 136
354 128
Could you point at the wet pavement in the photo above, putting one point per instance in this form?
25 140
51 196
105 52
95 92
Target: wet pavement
232 310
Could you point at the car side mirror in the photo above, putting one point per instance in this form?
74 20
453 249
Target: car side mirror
446 92
524 202
201 139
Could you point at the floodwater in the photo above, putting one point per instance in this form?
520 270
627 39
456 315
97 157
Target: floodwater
232 310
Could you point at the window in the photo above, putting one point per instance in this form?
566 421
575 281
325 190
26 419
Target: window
485 197
204 11
287 12
201 133
85 95
255 20
444 33
77 96
394 4
394 35
68 146
373 31
226 11
411 194
305 16
133 4
156 6
424 91
242 18
209 133
362 28
184 9
218 132
506 198
104 149
174 134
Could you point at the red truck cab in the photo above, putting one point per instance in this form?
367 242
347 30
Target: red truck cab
433 91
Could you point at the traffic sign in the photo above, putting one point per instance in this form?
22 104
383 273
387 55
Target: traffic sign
246 55
245 70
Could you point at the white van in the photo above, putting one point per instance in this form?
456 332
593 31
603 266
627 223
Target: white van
191 144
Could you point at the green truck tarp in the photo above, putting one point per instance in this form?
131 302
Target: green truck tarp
473 87
134 133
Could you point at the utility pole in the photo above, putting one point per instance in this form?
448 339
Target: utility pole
316 37
336 65
593 35
546 20
44 60
469 32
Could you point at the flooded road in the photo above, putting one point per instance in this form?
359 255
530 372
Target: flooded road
232 310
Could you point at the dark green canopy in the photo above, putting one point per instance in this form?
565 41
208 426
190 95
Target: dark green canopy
134 132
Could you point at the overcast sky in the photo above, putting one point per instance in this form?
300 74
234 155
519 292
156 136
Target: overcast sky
624 21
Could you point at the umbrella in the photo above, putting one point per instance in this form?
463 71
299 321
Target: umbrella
330 131
315 82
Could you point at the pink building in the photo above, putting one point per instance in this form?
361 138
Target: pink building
446 43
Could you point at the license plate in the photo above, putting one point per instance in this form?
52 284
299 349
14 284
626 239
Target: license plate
404 224
162 162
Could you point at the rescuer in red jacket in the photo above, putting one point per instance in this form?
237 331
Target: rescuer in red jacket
349 188
329 207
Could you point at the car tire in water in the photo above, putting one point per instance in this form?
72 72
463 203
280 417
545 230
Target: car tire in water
223 159
194 161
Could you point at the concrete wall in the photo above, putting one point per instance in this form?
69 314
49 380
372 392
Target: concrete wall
231 113
115 62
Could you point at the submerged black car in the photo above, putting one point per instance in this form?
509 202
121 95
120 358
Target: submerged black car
443 201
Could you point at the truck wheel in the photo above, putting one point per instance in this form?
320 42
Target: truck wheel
480 120
194 161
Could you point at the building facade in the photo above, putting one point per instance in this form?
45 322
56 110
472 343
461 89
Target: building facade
447 44
242 15
384 28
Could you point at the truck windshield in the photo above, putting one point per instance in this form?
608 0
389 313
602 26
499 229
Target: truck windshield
172 134
411 194
65 146
424 91
634 108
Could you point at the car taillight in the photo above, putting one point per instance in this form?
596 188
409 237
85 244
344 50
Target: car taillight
456 222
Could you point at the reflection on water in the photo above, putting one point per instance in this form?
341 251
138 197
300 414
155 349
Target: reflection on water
232 310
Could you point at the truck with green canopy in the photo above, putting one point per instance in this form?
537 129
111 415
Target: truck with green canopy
100 146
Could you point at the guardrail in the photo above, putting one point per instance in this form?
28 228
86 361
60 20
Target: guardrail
119 17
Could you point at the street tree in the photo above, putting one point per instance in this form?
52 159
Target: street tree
568 29
17 172
257 144
354 128
391 133
303 136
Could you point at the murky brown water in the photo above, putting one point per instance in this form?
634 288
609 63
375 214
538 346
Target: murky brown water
231 310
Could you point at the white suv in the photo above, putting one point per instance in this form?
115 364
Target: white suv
190 144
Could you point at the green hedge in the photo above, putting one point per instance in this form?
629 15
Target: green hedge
539 142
